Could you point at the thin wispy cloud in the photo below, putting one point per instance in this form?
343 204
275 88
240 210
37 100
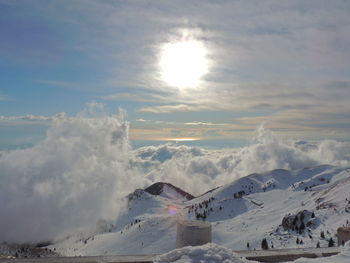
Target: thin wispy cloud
31 117
265 57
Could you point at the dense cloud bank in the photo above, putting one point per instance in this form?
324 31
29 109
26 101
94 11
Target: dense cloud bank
67 182
85 167
197 170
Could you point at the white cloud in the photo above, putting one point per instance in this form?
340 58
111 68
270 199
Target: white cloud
85 166
318 118
127 97
67 182
198 170
200 123
276 56
30 117
172 108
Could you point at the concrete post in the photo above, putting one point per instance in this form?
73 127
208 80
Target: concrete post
192 233
343 234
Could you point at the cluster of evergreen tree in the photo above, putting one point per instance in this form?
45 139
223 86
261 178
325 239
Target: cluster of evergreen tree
269 185
298 223
298 227
131 224
299 241
311 186
202 209
239 194
202 216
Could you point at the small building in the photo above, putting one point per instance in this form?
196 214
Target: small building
192 233
343 234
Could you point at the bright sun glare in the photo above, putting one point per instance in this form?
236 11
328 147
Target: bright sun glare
183 64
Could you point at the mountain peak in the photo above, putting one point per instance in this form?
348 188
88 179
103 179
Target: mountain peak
168 190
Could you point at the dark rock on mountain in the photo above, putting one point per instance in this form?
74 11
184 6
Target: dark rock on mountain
158 189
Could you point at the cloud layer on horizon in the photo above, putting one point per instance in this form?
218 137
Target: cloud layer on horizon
83 169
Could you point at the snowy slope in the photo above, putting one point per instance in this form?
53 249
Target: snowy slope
245 211
148 224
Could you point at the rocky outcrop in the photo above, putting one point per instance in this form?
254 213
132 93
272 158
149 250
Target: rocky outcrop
299 221
158 188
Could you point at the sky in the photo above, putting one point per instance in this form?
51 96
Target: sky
208 70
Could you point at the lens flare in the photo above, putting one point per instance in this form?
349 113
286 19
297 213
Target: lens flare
172 210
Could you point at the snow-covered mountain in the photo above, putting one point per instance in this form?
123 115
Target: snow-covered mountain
290 209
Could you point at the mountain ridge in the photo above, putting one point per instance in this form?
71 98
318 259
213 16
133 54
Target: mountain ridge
244 211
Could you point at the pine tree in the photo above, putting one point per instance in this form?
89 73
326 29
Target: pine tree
298 240
318 245
331 243
248 245
264 244
322 234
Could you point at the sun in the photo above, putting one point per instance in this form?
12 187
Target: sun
184 63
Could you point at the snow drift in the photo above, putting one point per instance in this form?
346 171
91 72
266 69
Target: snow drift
207 253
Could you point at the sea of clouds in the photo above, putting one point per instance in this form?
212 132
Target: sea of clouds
83 169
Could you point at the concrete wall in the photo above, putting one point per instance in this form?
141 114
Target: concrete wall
192 233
